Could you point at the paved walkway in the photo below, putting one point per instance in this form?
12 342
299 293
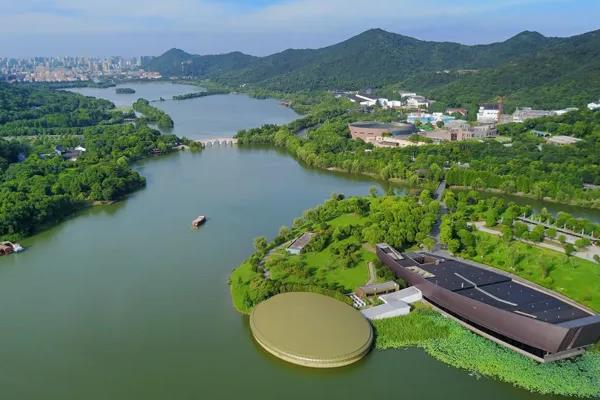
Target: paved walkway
372 274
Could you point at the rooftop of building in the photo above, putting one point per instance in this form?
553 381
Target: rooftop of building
492 288
311 329
379 125
301 241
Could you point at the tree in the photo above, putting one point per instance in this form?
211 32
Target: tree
439 124
429 243
551 233
491 218
260 244
537 233
453 246
373 191
569 249
507 233
562 239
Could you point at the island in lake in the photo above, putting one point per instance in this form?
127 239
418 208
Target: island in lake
125 91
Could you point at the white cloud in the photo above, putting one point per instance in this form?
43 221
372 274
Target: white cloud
207 26
76 16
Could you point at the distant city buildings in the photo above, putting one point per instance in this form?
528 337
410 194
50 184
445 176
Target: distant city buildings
72 69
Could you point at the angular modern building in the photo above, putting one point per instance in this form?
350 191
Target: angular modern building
514 313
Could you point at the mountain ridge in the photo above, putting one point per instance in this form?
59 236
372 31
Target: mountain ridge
377 58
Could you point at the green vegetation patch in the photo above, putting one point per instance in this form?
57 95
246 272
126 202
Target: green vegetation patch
451 343
574 277
336 260
153 114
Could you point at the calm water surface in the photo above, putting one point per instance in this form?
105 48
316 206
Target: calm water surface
219 115
126 302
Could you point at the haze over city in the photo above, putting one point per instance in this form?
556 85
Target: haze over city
260 27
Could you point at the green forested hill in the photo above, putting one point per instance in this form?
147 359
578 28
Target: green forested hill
29 110
564 74
529 66
176 62
39 184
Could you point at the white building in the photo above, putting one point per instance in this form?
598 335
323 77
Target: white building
394 304
565 110
525 113
366 100
406 94
594 106
417 102
489 113
562 140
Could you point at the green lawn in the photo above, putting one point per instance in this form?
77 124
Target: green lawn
573 277
325 263
240 278
348 219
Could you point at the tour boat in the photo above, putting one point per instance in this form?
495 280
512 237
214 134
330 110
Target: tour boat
198 221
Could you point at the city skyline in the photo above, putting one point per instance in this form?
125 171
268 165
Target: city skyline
261 27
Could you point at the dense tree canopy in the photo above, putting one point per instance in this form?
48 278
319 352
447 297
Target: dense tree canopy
38 184
528 166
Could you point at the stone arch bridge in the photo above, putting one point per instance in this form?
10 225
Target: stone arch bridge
218 141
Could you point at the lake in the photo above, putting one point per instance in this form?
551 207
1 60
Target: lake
127 302
197 118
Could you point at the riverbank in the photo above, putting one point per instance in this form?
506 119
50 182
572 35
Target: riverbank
592 206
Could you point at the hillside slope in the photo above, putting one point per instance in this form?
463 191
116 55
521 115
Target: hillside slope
527 66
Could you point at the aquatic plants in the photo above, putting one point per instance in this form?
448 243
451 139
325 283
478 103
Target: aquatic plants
449 342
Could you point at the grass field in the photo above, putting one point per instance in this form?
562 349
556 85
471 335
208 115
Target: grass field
573 277
311 269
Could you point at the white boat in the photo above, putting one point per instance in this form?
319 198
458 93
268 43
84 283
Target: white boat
18 248
198 221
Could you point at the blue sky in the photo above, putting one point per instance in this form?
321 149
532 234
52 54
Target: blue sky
136 27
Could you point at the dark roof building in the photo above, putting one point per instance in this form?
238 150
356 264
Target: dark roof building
514 313
299 243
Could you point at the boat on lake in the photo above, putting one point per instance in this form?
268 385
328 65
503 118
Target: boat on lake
7 248
198 222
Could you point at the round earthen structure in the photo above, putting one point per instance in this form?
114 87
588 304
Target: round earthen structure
311 330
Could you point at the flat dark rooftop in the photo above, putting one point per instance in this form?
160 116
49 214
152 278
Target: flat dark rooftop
495 289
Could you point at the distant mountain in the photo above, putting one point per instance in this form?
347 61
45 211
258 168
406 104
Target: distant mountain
562 74
176 62
523 64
